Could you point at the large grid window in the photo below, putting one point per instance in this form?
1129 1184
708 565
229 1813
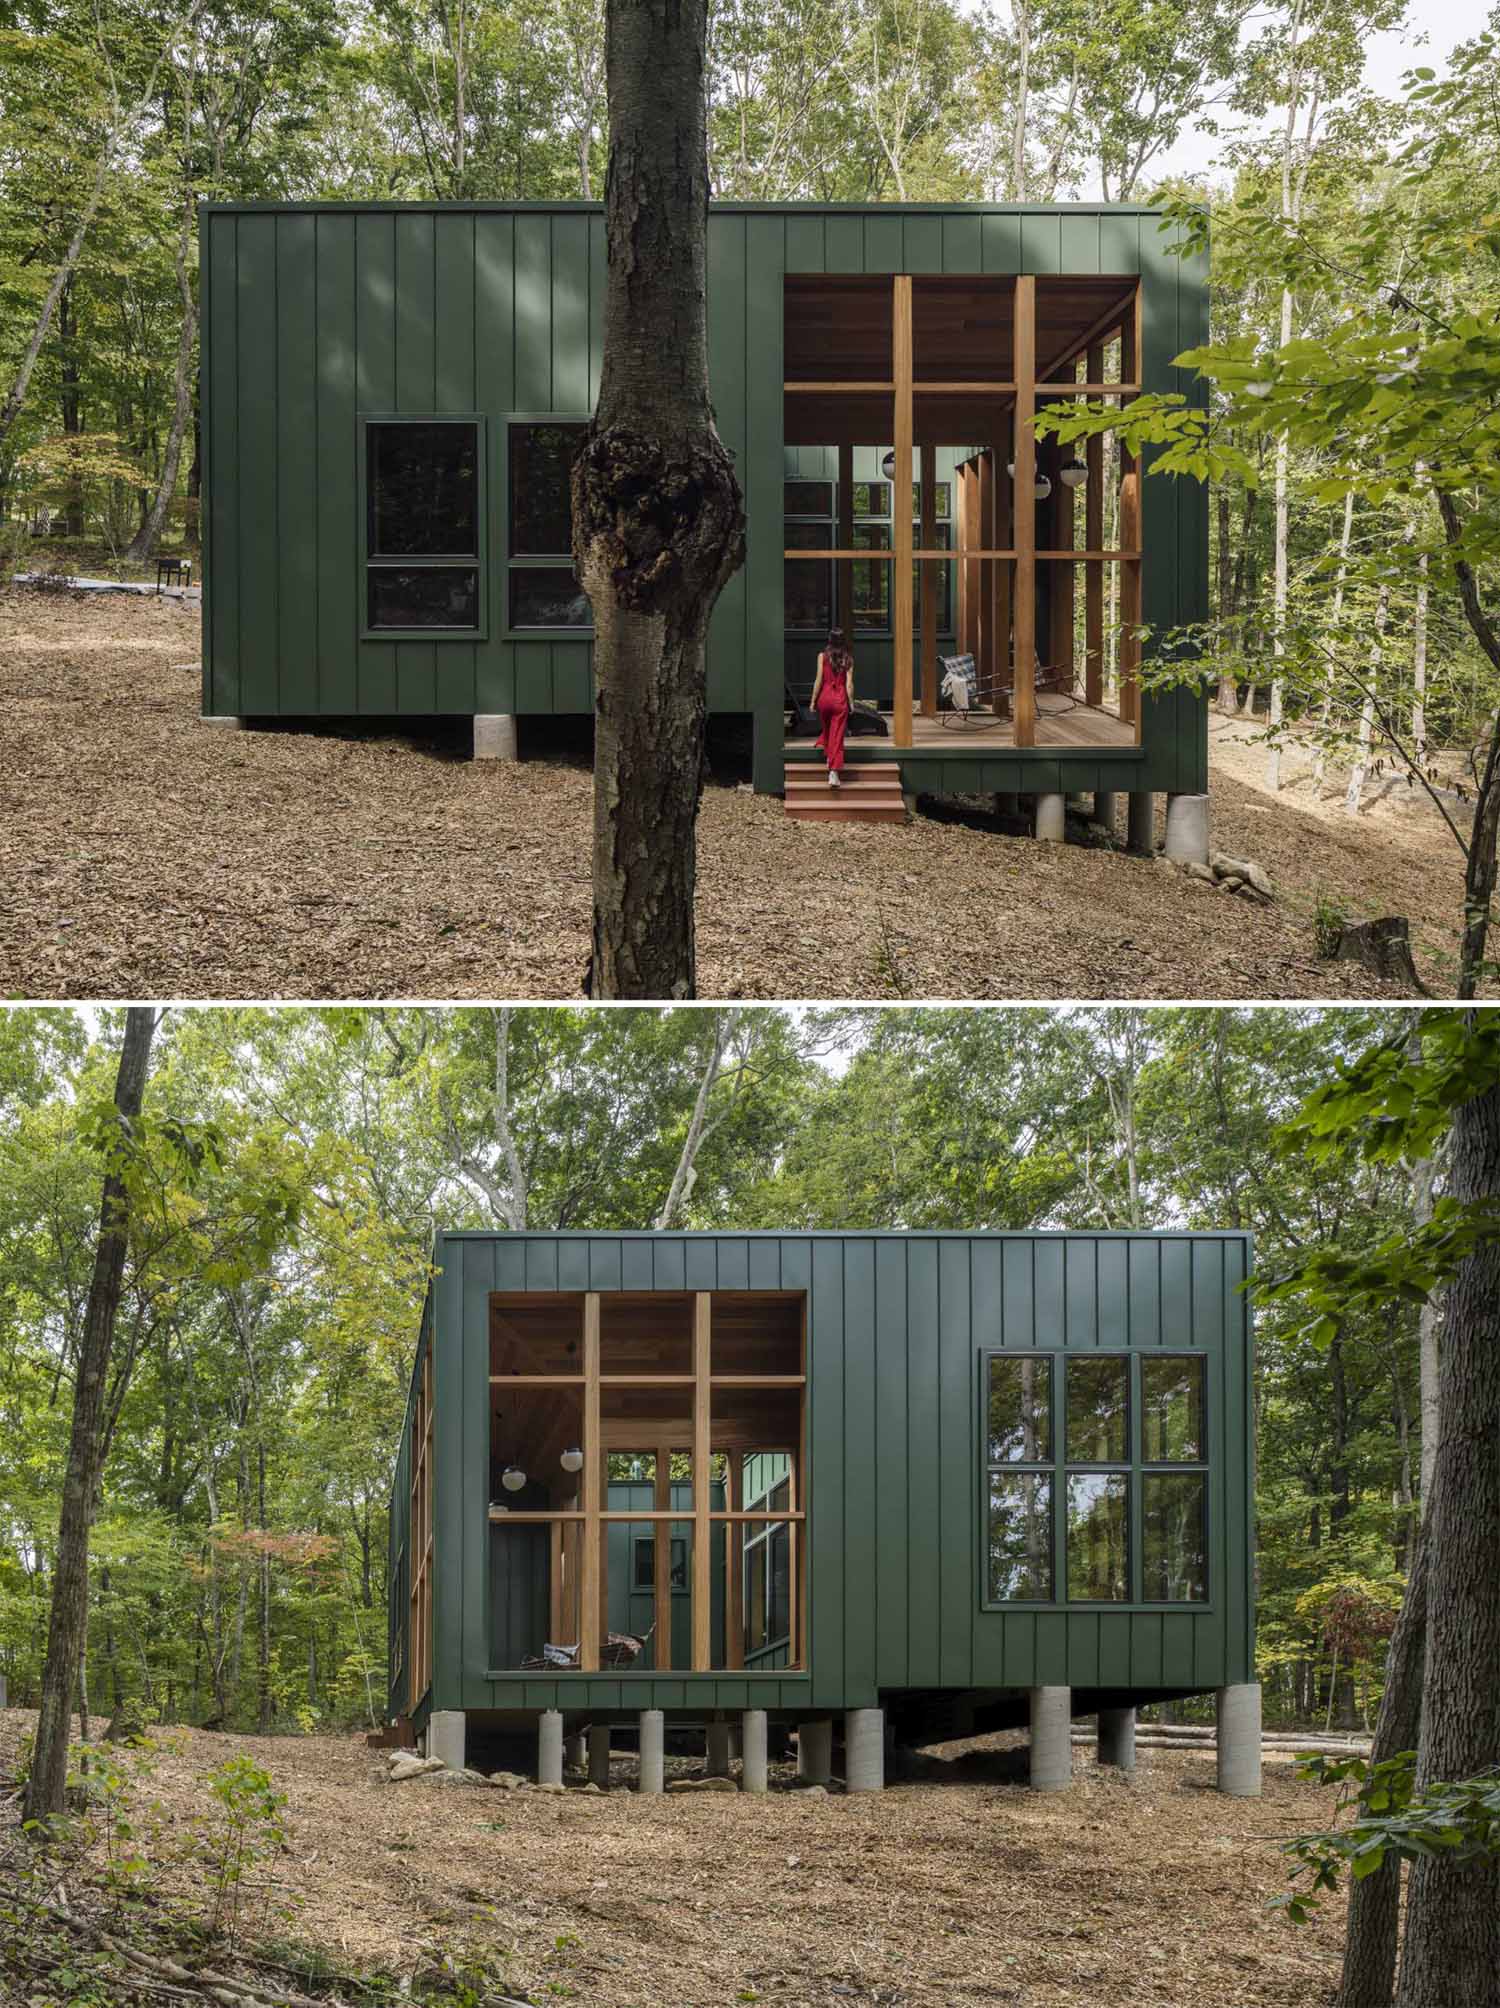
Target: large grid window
543 587
767 1577
423 509
807 583
1096 1480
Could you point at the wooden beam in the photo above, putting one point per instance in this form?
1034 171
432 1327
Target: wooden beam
984 626
901 609
844 616
1024 610
1093 539
702 1455
734 1563
661 1573
1004 534
832 388
1060 512
929 583
591 1573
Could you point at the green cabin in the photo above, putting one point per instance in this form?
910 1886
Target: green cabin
391 395
924 1483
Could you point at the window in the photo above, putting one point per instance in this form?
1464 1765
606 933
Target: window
645 1562
423 506
1064 1458
807 583
543 589
768 1578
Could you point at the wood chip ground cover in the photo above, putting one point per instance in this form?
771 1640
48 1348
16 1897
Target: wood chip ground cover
143 853
961 1889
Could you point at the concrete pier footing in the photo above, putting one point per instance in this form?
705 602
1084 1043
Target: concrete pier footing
1051 1739
599 1755
1052 818
864 1749
1239 1740
1117 1737
495 736
224 721
445 1736
1140 825
1007 806
753 1748
716 1763
653 1734
815 1751
549 1747
1104 808
575 1752
1187 828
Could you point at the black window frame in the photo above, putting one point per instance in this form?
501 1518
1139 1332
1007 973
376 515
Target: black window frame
530 561
764 1536
478 562
829 524
1059 1467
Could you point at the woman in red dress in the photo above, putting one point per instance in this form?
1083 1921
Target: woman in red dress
832 695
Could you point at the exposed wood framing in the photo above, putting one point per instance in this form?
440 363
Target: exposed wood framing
734 1565
845 602
901 610
984 654
1093 539
929 583
1003 534
591 1574
661 1570
702 1454
1024 613
1060 510
1130 531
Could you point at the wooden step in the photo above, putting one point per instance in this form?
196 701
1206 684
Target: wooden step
869 793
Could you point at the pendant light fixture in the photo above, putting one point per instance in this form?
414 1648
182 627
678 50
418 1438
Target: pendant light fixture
513 1478
571 1460
1073 474
888 465
1041 487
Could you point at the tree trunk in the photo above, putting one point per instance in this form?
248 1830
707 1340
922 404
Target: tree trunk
69 1613
143 544
658 517
1375 1902
1354 794
1451 1954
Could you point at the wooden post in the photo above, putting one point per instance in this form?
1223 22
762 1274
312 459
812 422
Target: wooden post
1060 574
1130 531
1003 533
901 623
661 1574
960 567
1093 540
1023 614
702 1454
984 654
734 1559
844 605
929 578
591 1575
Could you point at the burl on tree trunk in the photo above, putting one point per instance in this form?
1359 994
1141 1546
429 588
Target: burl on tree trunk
658 518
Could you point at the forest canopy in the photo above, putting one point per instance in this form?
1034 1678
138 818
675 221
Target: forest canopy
300 1159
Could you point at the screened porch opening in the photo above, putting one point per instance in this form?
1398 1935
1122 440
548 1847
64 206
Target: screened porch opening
647 1481
1041 598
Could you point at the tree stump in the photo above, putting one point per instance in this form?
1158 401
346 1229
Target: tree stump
1381 945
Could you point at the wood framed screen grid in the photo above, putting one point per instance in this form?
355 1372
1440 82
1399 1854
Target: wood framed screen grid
675 1389
926 361
419 1604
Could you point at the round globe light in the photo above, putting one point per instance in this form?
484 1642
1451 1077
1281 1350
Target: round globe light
571 1460
513 1478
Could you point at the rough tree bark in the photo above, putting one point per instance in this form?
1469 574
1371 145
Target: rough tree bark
1375 1902
65 1631
658 517
1451 1953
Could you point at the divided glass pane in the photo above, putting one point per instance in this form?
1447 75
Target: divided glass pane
1020 1536
871 580
1174 1549
1172 1411
1098 1504
423 596
1098 1410
1020 1409
541 507
548 596
423 489
872 498
807 498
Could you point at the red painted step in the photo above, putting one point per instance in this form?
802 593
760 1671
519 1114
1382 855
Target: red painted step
870 793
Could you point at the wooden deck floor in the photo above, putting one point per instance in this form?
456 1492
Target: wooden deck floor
1058 723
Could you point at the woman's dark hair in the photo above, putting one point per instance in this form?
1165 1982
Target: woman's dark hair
837 646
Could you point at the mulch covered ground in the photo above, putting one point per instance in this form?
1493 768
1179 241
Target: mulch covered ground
143 853
961 1888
